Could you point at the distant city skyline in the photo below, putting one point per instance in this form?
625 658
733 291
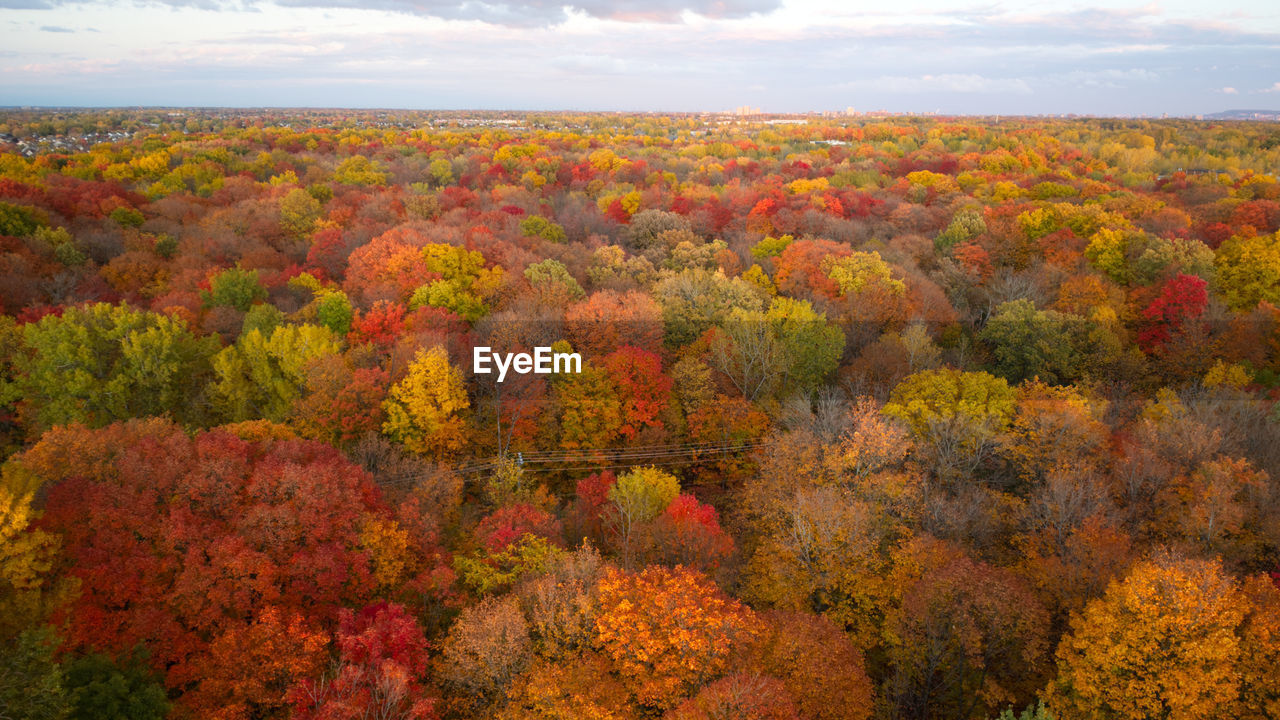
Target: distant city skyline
777 56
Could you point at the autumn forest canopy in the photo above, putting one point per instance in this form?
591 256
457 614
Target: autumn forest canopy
877 418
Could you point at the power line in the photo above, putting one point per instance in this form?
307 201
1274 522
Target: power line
629 449
597 457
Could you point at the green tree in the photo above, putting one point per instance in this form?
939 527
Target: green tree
811 345
694 300
31 680
101 689
333 310
955 417
1028 342
787 348
551 279
263 317
452 295
441 171
964 226
101 363
262 377
18 221
538 226
639 496
857 271
464 283
236 288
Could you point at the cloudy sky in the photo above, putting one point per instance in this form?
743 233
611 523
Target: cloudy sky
987 56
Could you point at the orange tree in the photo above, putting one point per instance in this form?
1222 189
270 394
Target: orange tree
667 630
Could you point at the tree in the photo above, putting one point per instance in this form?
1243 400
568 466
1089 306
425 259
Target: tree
965 639
102 363
100 687
747 351
486 649
1054 427
954 416
360 170
249 669
582 686
1172 640
740 695
790 347
643 391
299 212
607 320
1182 298
486 572
538 226
647 226
551 280
859 272
262 376
1217 504
695 300
822 671
426 410
802 270
688 533
27 555
638 497
234 288
667 631
824 549
964 226
333 310
226 558
727 422
1029 343
31 681
464 283
382 656
451 295
1249 270
341 403
590 413
381 325
561 605
811 346
388 267
945 393
504 526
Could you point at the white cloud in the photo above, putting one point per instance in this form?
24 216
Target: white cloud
945 83
1230 91
514 13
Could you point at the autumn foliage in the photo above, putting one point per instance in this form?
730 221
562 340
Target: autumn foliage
878 417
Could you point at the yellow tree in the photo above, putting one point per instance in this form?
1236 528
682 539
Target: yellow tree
1177 639
262 376
425 411
639 496
26 556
